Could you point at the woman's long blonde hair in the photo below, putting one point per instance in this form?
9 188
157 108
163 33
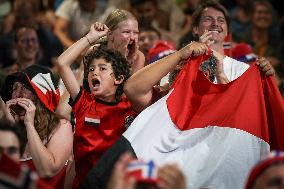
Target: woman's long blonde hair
113 19
117 16
45 121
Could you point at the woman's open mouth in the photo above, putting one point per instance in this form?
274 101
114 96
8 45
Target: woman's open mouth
130 46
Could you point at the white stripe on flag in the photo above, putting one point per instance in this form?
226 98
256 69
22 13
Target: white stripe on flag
147 168
227 45
92 120
213 157
44 82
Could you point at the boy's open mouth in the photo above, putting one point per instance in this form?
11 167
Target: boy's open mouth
95 83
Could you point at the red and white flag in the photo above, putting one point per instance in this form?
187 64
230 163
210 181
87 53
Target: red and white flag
215 132
145 172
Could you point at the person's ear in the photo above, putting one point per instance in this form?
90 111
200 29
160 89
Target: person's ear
195 31
110 36
119 80
227 33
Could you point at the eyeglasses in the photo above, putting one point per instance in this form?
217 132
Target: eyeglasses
9 150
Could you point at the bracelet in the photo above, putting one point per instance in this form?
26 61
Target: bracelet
88 40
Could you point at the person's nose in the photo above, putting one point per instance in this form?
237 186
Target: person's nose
146 40
214 22
17 93
132 36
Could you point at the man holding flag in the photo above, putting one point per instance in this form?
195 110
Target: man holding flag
216 131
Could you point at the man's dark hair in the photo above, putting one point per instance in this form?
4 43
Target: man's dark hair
196 16
18 130
118 63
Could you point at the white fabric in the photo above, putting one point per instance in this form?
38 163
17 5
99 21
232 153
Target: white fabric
165 80
233 68
211 157
44 83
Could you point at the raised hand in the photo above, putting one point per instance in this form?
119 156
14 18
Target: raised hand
128 48
132 50
205 38
265 66
30 108
97 31
192 49
10 113
118 178
171 177
122 47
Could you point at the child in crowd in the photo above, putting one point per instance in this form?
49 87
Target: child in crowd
120 33
100 109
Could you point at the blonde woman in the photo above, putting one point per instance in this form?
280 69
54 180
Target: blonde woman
122 35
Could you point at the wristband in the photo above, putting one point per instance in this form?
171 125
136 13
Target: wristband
88 40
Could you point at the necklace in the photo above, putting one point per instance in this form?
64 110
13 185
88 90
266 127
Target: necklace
209 68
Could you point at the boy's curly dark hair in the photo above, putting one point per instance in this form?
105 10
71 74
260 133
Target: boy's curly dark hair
118 63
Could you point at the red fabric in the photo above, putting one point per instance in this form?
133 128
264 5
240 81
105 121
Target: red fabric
251 103
6 166
50 98
91 141
18 176
241 49
56 182
160 50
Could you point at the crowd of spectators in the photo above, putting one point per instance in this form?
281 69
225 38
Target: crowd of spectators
65 63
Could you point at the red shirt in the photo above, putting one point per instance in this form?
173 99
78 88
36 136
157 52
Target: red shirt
98 126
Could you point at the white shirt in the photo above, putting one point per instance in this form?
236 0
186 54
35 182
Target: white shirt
233 68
